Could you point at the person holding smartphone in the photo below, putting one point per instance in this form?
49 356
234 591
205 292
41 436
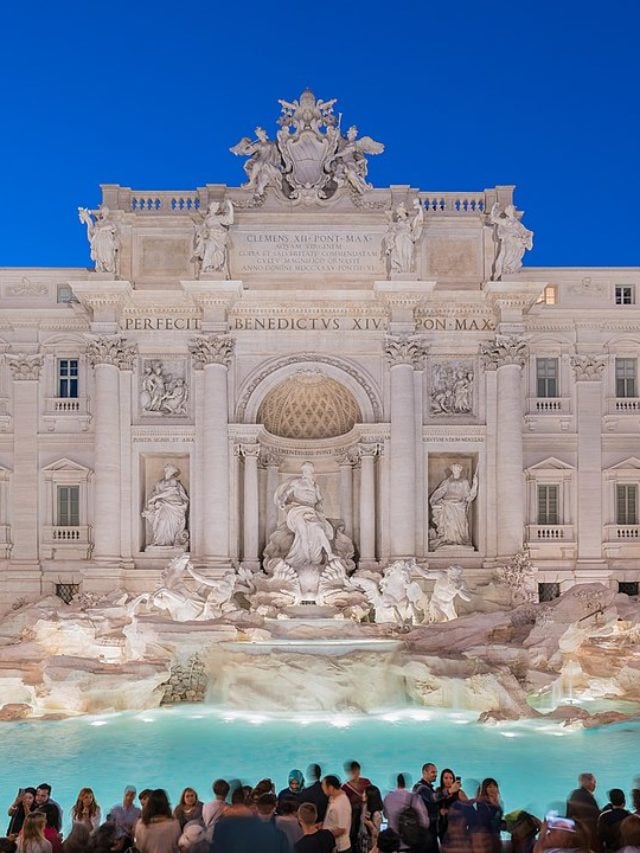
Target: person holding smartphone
448 792
19 809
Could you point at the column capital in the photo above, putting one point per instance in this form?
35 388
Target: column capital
405 349
211 349
25 366
270 458
369 450
504 350
348 458
249 450
588 368
111 349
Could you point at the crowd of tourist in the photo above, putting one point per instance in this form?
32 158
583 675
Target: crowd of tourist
323 815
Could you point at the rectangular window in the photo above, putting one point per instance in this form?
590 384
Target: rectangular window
67 377
550 294
68 506
625 294
546 377
548 505
626 503
626 373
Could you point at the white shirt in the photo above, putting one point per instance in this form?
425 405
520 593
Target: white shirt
338 816
211 814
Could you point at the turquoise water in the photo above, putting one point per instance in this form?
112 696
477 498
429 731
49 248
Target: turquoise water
536 763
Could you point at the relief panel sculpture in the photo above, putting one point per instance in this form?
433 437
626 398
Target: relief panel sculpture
164 389
451 388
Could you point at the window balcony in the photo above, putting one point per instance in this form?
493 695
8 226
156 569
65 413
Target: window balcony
68 542
550 533
623 406
549 406
623 532
63 409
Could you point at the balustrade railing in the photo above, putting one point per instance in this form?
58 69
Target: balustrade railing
549 405
58 534
66 405
550 533
624 406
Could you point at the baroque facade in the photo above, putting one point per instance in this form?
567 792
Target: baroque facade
457 406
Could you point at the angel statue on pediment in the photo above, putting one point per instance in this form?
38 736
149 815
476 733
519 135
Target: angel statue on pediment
349 164
264 168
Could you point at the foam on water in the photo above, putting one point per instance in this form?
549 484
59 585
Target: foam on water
536 763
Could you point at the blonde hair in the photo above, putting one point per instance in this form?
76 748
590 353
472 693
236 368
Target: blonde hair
33 831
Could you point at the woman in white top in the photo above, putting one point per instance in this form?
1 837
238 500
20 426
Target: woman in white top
86 810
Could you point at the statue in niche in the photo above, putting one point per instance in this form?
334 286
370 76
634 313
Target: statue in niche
166 511
162 392
264 167
513 240
212 238
307 542
452 389
450 502
403 232
102 234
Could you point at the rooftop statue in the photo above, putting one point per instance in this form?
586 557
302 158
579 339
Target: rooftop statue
310 159
102 234
403 232
212 237
512 240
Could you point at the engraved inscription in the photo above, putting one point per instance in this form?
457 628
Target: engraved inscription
300 252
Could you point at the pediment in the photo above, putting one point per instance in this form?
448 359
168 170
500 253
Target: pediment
551 463
630 464
69 465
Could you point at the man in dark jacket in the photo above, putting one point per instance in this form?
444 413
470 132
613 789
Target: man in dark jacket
582 806
610 819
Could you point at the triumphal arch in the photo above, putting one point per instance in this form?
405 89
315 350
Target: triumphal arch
310 368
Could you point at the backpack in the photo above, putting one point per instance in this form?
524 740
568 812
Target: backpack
410 829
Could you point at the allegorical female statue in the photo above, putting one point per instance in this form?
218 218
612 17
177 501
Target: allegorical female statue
212 238
103 238
513 240
166 510
450 502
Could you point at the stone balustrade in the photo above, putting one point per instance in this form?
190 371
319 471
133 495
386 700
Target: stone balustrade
549 405
623 406
550 533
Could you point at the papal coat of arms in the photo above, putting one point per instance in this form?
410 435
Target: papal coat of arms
310 158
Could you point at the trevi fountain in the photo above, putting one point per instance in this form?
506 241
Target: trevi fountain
307 469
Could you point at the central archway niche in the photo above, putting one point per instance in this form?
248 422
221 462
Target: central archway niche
309 406
311 411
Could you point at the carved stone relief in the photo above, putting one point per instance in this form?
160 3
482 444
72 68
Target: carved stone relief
451 388
164 388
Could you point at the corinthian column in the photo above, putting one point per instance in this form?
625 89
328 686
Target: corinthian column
345 463
108 354
403 355
508 355
25 371
588 372
250 509
212 354
367 544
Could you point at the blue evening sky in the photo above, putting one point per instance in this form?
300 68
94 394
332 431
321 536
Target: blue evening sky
465 95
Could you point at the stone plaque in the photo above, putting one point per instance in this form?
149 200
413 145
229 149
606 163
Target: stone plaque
165 256
299 252
453 257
